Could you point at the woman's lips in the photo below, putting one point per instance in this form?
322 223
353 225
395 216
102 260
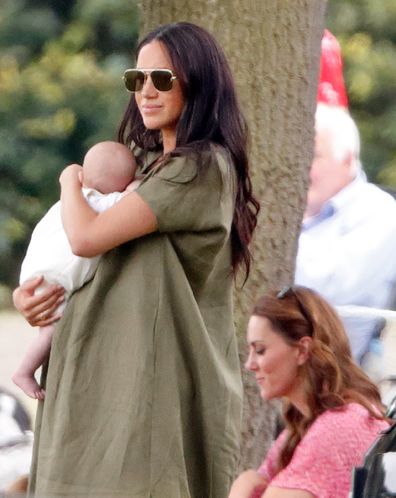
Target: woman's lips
151 109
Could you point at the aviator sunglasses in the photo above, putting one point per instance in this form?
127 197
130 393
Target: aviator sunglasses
289 291
134 79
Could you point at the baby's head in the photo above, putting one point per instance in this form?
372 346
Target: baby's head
108 167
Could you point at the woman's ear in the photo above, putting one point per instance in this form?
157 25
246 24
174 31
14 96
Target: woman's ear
304 349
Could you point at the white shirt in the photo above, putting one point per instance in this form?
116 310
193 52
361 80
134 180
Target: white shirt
348 254
15 444
49 252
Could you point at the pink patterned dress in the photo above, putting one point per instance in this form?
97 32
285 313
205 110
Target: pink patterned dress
323 461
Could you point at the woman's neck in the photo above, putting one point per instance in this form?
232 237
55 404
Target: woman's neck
298 399
302 408
168 140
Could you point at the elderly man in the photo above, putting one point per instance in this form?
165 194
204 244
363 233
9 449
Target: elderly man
347 246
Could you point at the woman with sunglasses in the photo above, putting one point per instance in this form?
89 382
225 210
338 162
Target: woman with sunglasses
298 351
143 389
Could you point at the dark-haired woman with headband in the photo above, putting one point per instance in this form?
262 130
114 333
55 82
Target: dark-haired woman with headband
298 351
143 389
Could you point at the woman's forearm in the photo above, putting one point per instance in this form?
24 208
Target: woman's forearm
77 215
249 484
91 233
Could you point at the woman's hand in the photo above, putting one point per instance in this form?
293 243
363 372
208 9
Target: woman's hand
249 484
39 310
72 174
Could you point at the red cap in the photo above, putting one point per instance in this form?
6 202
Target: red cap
331 88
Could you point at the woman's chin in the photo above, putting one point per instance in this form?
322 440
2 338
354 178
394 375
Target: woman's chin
265 395
151 125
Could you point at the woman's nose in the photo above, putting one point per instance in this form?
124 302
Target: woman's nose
149 89
250 364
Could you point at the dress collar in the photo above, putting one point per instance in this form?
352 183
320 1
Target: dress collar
345 195
342 198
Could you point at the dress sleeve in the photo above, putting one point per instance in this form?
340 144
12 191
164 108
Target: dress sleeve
185 199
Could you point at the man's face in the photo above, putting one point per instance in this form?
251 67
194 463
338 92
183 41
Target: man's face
328 175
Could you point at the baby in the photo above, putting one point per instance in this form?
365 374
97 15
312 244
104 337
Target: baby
108 170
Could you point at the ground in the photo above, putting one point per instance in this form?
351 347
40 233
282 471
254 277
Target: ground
15 335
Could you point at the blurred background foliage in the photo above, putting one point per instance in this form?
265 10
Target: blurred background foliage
61 63
366 30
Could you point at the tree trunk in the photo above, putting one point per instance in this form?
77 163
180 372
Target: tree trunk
274 51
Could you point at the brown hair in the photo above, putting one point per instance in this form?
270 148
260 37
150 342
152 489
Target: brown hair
332 378
212 114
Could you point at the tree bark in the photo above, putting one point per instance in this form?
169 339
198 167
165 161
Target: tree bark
274 50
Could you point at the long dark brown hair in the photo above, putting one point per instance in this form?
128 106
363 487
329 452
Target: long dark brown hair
211 115
331 377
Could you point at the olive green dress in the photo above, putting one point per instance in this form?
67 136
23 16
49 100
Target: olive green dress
143 392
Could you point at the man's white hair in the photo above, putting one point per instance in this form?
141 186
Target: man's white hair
343 132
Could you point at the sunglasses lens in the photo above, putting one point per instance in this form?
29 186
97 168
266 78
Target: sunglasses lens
162 79
134 80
